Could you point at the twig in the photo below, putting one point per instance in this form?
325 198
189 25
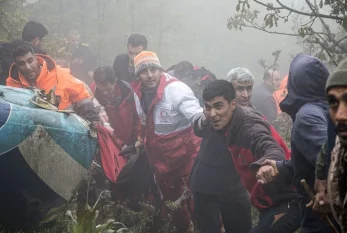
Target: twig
255 26
315 9
267 5
311 196
311 21
308 14
340 40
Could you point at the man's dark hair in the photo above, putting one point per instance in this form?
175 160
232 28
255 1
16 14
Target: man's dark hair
22 50
219 88
182 68
104 75
138 40
34 29
171 68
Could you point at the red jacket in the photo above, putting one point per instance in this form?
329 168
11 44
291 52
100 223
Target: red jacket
280 142
170 141
110 147
121 112
277 137
250 142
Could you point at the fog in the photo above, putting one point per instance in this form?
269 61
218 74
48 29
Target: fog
177 30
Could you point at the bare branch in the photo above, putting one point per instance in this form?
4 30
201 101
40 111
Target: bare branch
315 9
308 14
311 21
340 40
326 49
268 5
256 26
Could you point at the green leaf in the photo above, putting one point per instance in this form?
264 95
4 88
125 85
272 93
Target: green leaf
106 226
301 32
321 4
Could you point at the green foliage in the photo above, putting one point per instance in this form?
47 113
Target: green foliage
327 41
12 19
255 216
283 125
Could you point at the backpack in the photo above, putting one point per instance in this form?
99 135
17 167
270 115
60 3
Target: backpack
197 80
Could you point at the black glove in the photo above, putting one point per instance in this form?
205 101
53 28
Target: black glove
128 150
88 111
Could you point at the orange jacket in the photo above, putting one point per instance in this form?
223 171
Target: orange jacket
281 93
68 88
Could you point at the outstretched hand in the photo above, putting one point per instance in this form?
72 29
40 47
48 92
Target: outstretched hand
267 172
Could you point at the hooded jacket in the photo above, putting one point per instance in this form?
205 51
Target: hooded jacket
307 106
71 92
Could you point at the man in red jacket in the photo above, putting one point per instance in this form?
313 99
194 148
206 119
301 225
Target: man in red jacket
117 96
166 108
243 82
235 142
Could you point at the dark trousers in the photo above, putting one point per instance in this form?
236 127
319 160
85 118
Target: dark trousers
235 212
312 221
284 218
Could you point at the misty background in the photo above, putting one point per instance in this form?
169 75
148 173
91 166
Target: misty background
177 30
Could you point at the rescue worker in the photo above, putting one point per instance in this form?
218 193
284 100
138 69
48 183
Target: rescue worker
117 97
307 106
136 178
235 142
40 71
336 89
124 63
263 99
83 61
243 80
32 34
281 93
166 108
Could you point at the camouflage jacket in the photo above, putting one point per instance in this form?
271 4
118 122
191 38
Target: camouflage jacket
337 184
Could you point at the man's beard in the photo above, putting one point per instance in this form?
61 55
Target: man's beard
341 127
